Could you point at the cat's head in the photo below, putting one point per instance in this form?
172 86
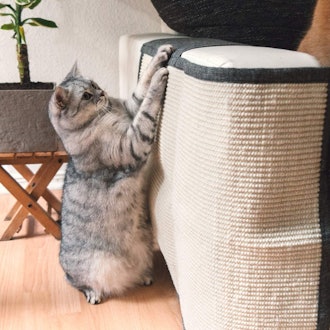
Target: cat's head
76 102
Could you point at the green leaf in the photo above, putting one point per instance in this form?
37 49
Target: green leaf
2 5
9 26
34 4
36 21
22 33
22 2
8 6
7 14
28 3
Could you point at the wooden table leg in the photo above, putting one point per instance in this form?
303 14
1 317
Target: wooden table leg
29 198
50 198
36 186
29 176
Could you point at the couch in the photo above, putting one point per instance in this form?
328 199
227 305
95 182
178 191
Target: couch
239 193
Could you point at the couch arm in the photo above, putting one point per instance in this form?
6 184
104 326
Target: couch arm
239 195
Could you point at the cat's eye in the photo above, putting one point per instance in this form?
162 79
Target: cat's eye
87 96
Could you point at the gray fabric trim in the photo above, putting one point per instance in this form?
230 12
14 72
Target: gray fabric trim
182 44
254 76
233 75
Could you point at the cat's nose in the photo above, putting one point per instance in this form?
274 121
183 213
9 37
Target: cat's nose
102 93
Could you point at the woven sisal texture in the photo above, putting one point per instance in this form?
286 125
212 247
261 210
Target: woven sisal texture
235 201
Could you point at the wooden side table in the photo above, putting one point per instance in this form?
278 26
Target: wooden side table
27 199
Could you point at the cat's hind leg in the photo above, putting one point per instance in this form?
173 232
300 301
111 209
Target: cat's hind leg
92 297
147 276
147 280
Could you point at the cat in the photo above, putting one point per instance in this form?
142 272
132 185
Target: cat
107 240
317 39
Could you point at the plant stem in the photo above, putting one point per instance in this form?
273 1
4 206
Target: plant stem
18 23
21 49
23 63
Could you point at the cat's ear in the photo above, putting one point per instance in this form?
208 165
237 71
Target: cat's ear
61 97
74 72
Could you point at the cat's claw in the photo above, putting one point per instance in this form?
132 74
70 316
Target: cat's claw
92 297
163 54
147 281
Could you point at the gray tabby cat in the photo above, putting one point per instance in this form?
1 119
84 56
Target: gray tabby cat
106 244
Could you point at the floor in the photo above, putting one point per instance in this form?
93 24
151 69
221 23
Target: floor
34 294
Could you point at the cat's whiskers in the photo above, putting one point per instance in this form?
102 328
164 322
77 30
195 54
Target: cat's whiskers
105 108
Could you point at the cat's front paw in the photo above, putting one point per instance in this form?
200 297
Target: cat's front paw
160 77
163 54
158 83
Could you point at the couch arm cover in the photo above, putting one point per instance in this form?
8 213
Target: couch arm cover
240 188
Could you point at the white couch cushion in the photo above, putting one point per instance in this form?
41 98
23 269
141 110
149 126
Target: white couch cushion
237 56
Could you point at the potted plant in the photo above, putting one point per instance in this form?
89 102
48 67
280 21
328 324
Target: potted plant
24 122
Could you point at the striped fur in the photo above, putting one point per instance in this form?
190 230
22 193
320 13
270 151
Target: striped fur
106 242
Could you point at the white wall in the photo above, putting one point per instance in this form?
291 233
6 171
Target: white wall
88 32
